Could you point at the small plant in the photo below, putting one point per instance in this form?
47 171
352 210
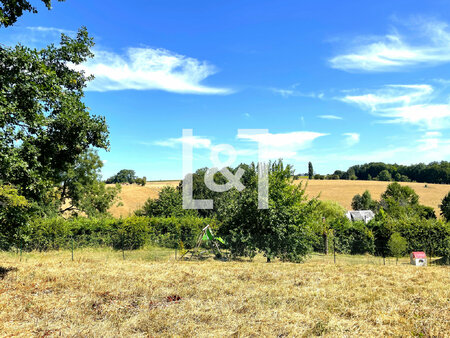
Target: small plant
397 246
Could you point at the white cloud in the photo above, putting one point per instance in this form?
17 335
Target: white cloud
283 145
412 104
427 42
195 141
283 92
293 92
149 68
351 138
329 117
42 29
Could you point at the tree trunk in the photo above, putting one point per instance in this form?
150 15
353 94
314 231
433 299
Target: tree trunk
325 243
268 259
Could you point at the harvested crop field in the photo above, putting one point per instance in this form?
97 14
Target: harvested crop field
150 294
341 191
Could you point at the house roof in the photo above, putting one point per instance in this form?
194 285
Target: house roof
360 215
418 254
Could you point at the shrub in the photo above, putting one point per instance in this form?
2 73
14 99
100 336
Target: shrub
427 235
46 234
170 231
397 245
354 238
130 233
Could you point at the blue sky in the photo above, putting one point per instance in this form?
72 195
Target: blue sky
336 83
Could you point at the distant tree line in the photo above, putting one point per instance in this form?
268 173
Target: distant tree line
434 172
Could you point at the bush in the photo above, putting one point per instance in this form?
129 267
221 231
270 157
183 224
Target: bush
170 231
130 233
46 234
397 245
354 238
427 235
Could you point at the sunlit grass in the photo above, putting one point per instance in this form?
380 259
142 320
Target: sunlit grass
150 294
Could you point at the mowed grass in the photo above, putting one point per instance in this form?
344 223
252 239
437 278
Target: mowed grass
133 197
151 294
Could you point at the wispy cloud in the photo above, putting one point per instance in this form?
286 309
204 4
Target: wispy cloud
283 145
292 92
329 117
424 42
351 138
142 68
149 68
42 29
425 149
412 104
195 141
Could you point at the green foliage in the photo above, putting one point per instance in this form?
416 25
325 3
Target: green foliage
310 170
397 245
141 181
434 172
130 233
384 175
353 238
82 189
429 235
44 125
168 204
123 176
127 233
169 231
13 215
46 234
364 202
11 10
445 207
279 231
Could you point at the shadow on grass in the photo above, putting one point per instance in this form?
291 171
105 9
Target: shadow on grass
5 271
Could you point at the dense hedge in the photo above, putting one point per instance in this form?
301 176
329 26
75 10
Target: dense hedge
354 238
431 236
128 233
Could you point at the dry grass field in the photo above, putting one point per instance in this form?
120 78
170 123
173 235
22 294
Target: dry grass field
151 294
341 191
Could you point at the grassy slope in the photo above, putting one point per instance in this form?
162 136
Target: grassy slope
342 191
99 294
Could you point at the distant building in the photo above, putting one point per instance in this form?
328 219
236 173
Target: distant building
418 258
360 215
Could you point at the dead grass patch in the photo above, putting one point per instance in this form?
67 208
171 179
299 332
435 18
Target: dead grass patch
50 295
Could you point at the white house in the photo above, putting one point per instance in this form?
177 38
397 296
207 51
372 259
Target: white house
360 215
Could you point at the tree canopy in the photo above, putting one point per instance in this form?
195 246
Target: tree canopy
44 124
11 10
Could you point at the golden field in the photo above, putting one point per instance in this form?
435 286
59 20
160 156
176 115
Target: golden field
151 294
341 191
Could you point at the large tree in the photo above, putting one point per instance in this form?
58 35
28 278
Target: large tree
44 124
82 189
283 230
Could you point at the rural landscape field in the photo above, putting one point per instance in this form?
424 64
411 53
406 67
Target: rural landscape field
133 197
151 294
224 168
